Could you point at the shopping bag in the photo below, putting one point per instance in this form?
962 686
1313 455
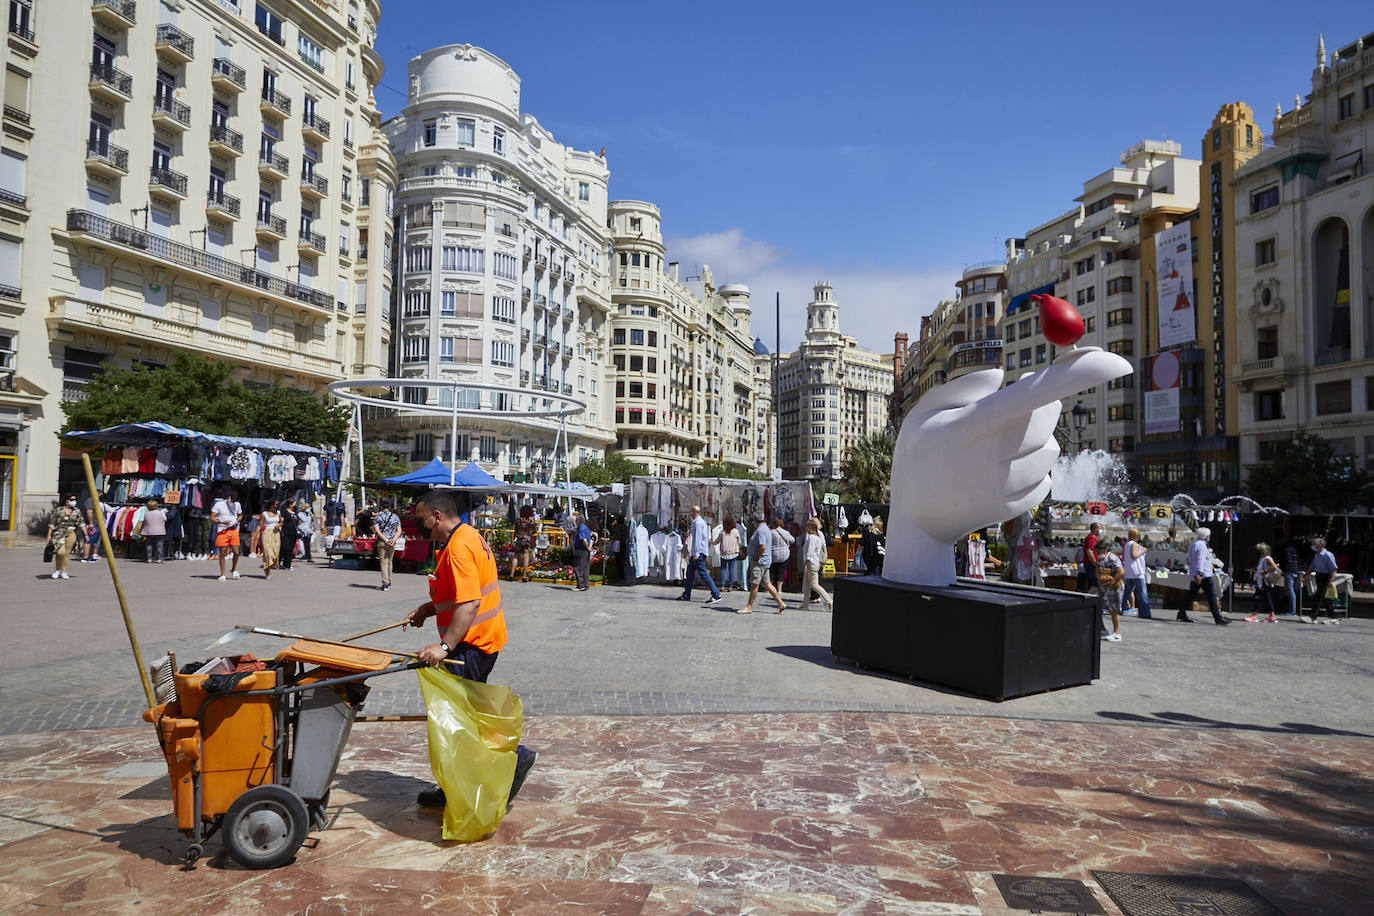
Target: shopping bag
474 729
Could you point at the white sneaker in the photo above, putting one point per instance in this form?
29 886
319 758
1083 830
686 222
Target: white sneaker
236 574
1113 637
220 579
56 574
65 576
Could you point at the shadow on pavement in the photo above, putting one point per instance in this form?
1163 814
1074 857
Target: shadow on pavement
821 655
1183 718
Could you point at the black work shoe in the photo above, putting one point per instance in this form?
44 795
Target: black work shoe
1223 621
682 598
525 759
432 798
1184 618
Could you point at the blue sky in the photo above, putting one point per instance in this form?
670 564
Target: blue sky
881 146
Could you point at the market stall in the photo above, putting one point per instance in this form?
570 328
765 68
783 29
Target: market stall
184 468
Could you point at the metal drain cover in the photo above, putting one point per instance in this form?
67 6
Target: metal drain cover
1183 895
1047 895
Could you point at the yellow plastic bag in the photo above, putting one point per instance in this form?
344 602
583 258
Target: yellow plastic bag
474 729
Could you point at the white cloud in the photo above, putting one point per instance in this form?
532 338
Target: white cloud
875 302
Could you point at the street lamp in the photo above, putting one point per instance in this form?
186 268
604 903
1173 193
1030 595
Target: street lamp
1080 421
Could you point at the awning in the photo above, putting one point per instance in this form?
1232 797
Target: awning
1018 301
154 432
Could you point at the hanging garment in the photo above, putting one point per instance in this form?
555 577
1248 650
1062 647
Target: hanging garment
658 552
128 464
675 563
162 463
109 463
641 551
147 461
975 554
240 464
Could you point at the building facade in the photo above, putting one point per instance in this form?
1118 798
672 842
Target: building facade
1304 256
681 355
501 255
832 393
138 220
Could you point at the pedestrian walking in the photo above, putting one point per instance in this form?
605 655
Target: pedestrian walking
728 541
874 547
63 525
388 527
526 530
305 527
290 535
1323 567
226 515
465 602
699 545
154 531
782 552
1111 573
1292 574
813 556
1268 581
334 510
1087 573
582 554
1201 579
1133 560
267 537
760 565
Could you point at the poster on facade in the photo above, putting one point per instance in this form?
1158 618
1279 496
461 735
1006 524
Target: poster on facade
1161 394
1174 280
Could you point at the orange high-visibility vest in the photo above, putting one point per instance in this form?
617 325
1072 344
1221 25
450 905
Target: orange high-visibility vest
466 570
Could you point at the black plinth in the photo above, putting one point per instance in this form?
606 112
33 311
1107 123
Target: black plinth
992 639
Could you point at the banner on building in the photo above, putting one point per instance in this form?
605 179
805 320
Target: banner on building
1161 394
1174 281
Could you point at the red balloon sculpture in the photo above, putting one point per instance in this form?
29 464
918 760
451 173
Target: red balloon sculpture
1060 322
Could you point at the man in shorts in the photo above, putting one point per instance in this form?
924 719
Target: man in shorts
760 558
227 514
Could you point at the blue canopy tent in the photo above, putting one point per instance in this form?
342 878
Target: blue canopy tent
436 474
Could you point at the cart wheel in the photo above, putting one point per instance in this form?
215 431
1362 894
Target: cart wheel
265 826
194 852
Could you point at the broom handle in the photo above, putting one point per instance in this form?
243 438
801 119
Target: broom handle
332 642
114 574
390 626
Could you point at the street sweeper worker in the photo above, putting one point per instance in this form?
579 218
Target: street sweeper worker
465 601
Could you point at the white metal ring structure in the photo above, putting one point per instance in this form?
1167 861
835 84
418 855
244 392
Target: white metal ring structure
560 406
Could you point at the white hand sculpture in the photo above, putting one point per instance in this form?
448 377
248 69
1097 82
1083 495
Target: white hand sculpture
973 454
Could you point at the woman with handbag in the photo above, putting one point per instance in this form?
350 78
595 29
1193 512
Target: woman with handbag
267 538
1269 579
1110 574
63 525
1133 558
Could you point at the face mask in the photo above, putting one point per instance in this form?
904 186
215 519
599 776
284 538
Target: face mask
71 504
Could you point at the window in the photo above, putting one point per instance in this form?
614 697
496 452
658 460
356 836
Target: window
584 191
1083 266
637 337
1121 412
636 225
619 362
620 389
1369 97
1119 285
431 132
1122 347
1010 331
1265 252
1087 295
504 266
1122 444
1039 354
310 53
423 446
464 259
1345 106
618 336
636 364
653 364
1264 200
467 132
445 349
1119 317
503 309
487 448
1266 342
1089 324
1333 397
1025 356
416 303
1269 405
1023 328
1216 138
498 141
502 353
418 257
636 389
416 349
269 24
1125 381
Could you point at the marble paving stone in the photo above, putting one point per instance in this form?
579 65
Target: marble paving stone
856 813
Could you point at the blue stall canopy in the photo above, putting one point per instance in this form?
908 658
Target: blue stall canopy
155 432
436 474
1018 301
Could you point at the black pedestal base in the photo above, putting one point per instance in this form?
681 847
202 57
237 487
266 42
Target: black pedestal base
992 639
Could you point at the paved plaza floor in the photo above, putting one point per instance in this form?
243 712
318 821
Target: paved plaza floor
693 760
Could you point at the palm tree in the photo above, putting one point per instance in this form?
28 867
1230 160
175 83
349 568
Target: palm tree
867 469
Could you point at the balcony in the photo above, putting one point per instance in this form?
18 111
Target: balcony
106 159
525 377
167 252
529 252
314 186
111 85
165 184
225 142
569 278
17 122
228 76
175 44
525 294
554 349
567 388
541 262
540 302
271 227
312 125
169 114
114 14
10 292
555 271
22 31
276 103
568 315
271 165
540 343
310 242
221 205
525 335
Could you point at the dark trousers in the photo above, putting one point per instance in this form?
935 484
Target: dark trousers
582 566
155 548
698 568
288 551
1087 578
1207 586
306 538
1323 581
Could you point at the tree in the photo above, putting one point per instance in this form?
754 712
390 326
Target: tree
615 468
1306 472
197 393
727 469
867 469
379 463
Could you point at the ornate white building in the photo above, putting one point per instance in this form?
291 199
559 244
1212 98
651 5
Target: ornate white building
502 264
832 393
201 177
